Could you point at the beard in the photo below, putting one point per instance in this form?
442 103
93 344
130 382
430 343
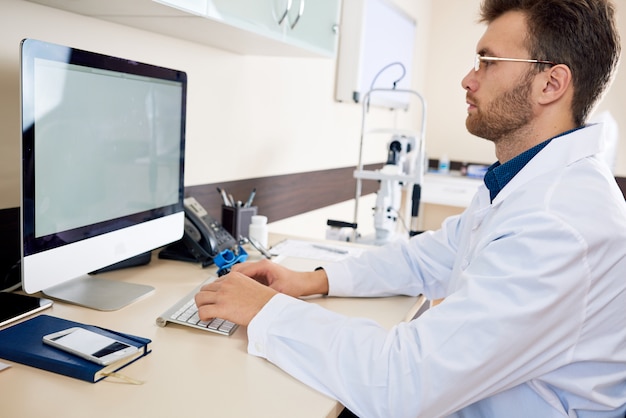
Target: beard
506 114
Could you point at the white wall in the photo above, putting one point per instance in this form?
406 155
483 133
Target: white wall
248 116
251 116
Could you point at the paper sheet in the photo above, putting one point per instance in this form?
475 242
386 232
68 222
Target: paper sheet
322 251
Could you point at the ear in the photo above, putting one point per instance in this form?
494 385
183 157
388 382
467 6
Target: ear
556 82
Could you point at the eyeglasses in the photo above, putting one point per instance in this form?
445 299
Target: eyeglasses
479 58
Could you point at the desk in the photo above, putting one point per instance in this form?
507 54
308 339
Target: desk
189 372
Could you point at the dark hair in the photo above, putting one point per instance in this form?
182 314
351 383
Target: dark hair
581 34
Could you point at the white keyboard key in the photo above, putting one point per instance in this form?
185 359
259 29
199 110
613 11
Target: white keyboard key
188 314
215 324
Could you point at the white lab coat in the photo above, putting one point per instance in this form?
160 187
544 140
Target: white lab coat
534 321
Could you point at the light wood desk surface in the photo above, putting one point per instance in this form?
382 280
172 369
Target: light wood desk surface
189 372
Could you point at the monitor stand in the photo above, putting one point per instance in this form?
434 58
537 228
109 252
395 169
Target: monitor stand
100 294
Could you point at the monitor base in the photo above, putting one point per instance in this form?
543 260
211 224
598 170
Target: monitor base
97 293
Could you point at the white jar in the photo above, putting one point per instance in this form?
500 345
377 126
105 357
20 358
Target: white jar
258 229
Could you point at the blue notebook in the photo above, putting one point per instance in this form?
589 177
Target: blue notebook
22 343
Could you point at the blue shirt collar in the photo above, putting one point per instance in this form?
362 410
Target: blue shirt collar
499 175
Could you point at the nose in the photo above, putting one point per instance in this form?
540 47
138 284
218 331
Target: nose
469 82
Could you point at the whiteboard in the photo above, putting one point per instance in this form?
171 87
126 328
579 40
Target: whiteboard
373 35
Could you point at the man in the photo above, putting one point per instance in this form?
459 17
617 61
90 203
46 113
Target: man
533 273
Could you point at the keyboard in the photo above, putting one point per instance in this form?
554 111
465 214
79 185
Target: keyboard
185 312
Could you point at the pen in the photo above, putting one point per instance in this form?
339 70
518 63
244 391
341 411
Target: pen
251 198
224 197
256 244
331 249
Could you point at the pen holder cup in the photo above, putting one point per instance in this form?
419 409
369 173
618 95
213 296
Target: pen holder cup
236 219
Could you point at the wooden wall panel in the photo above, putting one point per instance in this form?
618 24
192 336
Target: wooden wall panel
283 196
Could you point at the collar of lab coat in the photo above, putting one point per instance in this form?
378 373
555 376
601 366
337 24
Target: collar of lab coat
560 152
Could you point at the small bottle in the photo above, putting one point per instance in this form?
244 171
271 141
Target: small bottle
444 164
258 229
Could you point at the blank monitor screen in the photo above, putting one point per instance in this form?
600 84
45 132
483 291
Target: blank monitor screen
102 160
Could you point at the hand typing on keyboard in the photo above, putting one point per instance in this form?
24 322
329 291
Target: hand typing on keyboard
189 313
241 294
234 297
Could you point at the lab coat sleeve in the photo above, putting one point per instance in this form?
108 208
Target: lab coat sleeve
515 317
420 266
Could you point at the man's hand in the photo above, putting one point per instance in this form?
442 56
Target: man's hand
234 297
284 280
241 294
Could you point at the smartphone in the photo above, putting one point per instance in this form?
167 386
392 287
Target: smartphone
90 345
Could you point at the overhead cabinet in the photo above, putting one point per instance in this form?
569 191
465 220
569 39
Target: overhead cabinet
255 27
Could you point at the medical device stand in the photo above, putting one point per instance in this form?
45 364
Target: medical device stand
393 175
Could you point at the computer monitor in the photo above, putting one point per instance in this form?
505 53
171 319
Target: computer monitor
102 169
